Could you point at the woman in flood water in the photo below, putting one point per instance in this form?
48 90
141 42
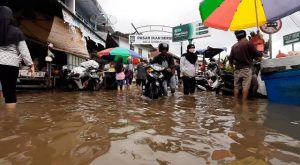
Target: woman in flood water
188 69
13 48
120 75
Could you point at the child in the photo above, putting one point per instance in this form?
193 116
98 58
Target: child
120 75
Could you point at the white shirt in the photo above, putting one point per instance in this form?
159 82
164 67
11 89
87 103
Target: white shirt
13 54
188 69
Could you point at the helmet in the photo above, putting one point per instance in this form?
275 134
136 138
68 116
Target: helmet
163 47
191 46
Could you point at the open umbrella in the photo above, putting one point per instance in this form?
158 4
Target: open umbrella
116 53
210 52
242 14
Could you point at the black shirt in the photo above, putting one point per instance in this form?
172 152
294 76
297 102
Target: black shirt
166 61
242 54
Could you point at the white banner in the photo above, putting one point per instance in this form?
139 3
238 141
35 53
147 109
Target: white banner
149 39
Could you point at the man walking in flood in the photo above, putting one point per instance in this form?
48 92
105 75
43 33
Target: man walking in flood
241 56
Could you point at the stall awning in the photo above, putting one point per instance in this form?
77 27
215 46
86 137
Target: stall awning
67 39
38 28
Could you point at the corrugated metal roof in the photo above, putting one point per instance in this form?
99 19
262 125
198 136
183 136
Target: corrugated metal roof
92 8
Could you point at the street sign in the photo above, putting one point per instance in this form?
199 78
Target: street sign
291 38
271 27
149 39
190 31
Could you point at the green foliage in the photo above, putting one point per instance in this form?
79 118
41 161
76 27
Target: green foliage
225 63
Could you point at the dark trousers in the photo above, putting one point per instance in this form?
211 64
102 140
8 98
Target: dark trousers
189 85
8 78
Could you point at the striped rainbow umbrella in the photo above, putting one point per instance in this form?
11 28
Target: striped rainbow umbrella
242 14
116 53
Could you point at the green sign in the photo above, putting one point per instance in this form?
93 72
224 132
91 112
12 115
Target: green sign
189 31
291 38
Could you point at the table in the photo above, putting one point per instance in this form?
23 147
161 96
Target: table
28 82
110 80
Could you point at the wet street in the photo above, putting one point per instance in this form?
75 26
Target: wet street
108 127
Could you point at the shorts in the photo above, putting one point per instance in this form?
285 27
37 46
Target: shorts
120 82
242 78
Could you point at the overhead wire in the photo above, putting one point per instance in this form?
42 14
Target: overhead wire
290 16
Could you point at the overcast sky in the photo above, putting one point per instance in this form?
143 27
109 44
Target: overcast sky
174 12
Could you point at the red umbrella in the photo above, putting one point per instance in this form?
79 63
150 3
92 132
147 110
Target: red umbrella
135 61
104 52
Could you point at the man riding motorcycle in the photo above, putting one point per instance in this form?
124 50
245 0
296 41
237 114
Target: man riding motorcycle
167 61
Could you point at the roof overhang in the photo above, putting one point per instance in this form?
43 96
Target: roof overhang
92 8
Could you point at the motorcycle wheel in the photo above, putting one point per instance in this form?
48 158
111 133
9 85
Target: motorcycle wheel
72 86
96 85
153 91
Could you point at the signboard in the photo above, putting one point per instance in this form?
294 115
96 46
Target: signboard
271 27
190 31
291 38
149 39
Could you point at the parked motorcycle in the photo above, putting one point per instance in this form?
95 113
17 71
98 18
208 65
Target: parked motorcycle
85 76
205 84
154 88
210 79
227 81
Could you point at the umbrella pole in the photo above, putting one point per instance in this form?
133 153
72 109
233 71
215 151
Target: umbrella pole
256 16
270 45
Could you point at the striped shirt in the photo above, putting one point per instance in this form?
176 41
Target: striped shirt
13 54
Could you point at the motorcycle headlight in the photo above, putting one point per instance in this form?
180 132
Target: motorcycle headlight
161 76
157 83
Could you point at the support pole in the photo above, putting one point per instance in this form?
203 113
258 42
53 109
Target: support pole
270 45
135 28
293 48
181 49
256 16
131 46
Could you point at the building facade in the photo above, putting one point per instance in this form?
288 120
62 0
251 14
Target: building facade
123 41
69 25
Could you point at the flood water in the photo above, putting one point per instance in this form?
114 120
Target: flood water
107 127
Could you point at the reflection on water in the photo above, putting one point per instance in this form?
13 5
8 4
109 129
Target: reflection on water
107 127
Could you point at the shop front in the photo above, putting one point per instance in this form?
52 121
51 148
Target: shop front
51 22
69 47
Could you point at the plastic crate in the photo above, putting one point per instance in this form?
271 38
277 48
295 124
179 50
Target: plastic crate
283 87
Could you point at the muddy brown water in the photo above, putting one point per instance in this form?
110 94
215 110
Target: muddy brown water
107 127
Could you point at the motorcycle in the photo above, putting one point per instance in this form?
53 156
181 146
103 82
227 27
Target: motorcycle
211 84
85 76
227 81
209 80
154 88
